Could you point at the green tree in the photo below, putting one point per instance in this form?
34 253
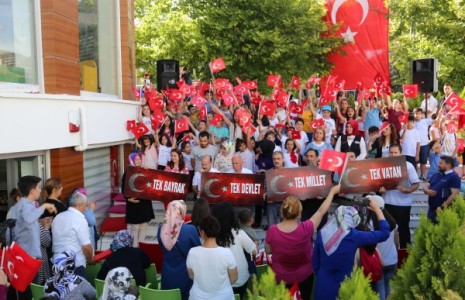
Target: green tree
428 28
266 288
255 38
435 268
356 287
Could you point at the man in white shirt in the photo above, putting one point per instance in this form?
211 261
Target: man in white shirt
247 156
410 142
206 164
422 125
432 105
70 231
237 166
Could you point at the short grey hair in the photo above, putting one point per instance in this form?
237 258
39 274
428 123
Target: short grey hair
77 198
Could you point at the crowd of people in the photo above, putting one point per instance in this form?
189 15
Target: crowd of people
211 256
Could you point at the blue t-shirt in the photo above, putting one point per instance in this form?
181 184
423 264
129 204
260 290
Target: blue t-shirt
433 163
442 183
372 118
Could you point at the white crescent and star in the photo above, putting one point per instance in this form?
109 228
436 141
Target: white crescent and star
207 188
346 180
339 3
408 91
273 187
339 162
132 180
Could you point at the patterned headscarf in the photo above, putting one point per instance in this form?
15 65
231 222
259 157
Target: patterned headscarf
117 285
344 219
64 279
122 239
132 158
174 218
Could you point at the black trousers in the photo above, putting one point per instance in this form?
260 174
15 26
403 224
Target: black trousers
402 216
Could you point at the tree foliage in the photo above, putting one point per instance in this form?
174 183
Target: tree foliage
255 38
267 288
356 287
428 28
435 267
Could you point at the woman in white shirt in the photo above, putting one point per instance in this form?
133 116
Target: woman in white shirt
211 267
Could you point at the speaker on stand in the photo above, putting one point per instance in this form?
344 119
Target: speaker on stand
424 74
167 74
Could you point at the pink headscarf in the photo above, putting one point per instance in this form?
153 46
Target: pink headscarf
174 218
354 125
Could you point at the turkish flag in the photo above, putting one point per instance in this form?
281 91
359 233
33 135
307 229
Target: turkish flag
296 108
19 266
282 99
102 255
455 102
274 80
378 80
340 85
364 27
295 82
332 160
266 108
294 134
404 118
217 65
295 292
198 101
216 119
176 95
186 138
317 123
451 127
410 90
324 101
228 99
245 119
156 102
130 124
249 129
279 125
181 125
361 94
223 84
460 145
136 92
330 93
139 130
203 87
157 118
186 89
241 89
311 81
203 113
251 84
255 98
385 125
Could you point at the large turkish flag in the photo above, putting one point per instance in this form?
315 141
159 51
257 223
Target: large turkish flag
364 28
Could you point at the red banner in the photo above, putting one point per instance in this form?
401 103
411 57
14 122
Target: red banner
364 28
238 189
303 183
155 185
369 175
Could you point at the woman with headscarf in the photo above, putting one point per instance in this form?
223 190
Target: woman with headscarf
138 211
351 141
176 240
336 244
118 285
65 284
125 255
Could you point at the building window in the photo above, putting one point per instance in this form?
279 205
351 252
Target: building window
18 57
97 46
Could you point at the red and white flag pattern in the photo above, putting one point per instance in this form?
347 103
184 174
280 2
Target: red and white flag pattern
139 130
332 160
217 65
181 125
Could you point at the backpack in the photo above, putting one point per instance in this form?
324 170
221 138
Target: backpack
371 264
7 232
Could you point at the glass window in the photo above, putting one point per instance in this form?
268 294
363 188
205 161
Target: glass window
97 46
18 62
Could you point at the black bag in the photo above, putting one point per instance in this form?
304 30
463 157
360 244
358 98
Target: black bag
7 233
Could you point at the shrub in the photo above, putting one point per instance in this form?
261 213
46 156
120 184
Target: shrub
266 288
435 267
357 287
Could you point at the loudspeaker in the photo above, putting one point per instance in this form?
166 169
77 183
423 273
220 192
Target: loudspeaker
167 74
424 73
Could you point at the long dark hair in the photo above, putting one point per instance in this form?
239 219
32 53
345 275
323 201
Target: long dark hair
171 127
181 163
224 212
199 211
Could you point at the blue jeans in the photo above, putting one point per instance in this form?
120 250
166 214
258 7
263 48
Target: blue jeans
273 214
383 287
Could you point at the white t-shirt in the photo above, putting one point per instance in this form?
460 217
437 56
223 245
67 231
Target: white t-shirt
248 159
164 155
422 128
210 267
242 242
448 144
187 161
198 177
70 231
410 140
243 171
330 125
287 160
395 197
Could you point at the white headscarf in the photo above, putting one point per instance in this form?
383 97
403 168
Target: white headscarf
344 219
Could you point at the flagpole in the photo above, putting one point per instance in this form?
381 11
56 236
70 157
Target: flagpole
3 257
344 168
